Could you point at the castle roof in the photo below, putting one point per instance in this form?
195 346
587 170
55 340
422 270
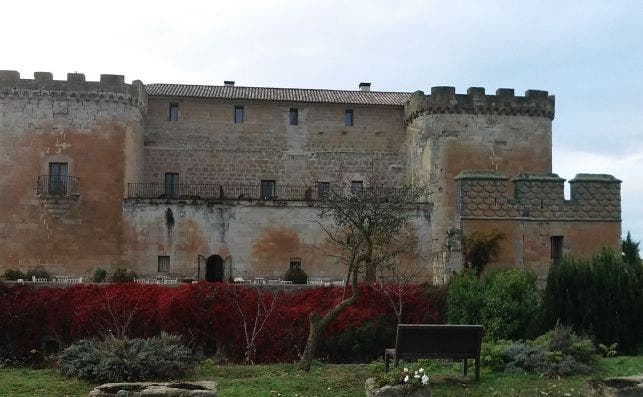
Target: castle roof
279 94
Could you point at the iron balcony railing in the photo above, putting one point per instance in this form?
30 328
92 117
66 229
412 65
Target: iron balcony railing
57 184
187 191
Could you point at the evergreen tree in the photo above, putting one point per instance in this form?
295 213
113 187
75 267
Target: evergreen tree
631 251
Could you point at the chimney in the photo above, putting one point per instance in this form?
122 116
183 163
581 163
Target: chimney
228 83
365 87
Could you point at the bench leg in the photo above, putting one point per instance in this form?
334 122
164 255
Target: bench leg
465 366
477 368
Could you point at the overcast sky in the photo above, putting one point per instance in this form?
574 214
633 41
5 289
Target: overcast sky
587 53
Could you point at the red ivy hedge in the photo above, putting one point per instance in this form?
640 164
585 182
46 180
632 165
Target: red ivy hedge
208 315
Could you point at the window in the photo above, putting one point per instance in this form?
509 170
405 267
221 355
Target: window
267 189
357 187
293 116
58 178
238 114
171 185
164 264
556 249
295 263
174 112
348 117
323 188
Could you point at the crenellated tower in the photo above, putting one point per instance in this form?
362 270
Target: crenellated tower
449 132
68 148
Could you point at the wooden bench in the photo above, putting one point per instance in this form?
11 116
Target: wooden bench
415 341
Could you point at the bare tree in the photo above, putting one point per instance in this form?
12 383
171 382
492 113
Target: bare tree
364 230
253 321
394 285
120 314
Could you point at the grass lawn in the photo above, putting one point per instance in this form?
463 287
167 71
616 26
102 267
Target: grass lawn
330 380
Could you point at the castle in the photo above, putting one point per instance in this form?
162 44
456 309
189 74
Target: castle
216 182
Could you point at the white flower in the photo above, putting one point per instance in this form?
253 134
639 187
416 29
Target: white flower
416 376
406 369
421 370
425 379
416 372
406 379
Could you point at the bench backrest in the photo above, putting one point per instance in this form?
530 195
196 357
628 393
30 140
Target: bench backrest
448 341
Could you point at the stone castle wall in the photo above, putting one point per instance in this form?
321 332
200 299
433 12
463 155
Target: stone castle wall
538 210
206 146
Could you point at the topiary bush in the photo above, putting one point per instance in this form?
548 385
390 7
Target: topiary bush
100 275
13 275
122 275
118 360
296 275
506 303
602 297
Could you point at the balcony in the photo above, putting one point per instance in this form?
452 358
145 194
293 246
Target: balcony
57 186
259 192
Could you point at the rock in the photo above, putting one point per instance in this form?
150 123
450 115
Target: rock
625 386
395 391
156 389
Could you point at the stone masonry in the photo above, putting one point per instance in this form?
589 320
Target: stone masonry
168 177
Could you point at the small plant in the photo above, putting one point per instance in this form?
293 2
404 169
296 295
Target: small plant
99 276
38 272
122 359
608 351
13 275
414 376
480 248
122 275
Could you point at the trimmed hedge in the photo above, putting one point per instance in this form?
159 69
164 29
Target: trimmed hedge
206 317
603 297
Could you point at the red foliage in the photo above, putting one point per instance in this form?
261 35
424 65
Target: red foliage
205 314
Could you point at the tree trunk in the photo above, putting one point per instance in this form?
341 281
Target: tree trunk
318 325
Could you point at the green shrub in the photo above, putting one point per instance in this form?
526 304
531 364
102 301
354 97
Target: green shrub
13 275
118 360
558 352
602 297
38 272
122 275
362 343
99 275
506 303
296 275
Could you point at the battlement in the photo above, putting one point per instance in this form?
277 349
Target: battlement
535 103
111 87
483 194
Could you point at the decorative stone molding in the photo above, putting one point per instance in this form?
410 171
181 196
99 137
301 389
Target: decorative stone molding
110 88
483 195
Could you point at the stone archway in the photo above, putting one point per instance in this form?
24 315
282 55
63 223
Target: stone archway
214 269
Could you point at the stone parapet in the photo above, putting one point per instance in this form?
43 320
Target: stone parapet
483 194
111 87
535 103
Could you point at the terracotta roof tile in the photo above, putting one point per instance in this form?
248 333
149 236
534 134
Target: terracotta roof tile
279 94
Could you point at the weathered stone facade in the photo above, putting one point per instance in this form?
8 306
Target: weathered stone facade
119 143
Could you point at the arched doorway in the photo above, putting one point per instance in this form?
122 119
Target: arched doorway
214 268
